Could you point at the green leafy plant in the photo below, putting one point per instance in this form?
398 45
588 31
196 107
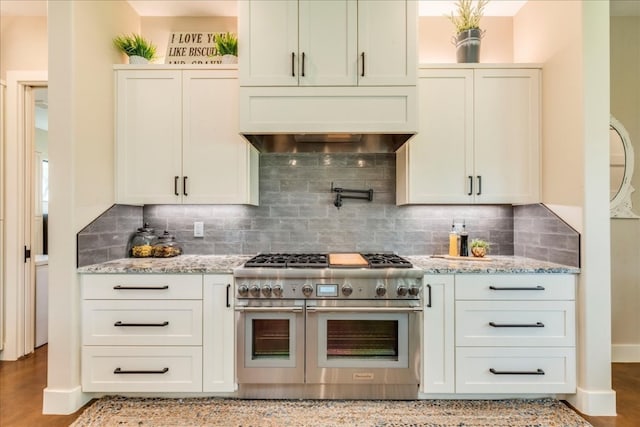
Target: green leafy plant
135 45
226 44
466 16
479 243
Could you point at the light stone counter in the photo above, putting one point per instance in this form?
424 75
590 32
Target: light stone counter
224 264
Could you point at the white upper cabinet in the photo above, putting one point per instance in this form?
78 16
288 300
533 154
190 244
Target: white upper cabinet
327 43
178 141
478 140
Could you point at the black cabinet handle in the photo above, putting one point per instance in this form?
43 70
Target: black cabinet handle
517 325
429 295
293 64
513 288
119 323
175 185
470 186
302 72
362 55
228 289
120 371
184 185
536 372
140 288
479 185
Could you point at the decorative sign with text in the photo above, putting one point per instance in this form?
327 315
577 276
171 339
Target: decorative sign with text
192 48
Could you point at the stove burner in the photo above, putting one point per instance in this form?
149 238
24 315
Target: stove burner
321 260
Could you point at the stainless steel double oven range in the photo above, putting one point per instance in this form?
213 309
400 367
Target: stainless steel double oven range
309 329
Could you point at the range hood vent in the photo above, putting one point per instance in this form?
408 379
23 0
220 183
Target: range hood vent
328 142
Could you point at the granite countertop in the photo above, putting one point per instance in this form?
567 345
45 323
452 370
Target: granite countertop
224 264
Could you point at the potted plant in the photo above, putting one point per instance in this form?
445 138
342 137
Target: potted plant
479 247
138 49
227 47
468 33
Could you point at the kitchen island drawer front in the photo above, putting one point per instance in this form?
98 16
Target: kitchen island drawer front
135 322
515 286
515 370
515 323
142 286
142 369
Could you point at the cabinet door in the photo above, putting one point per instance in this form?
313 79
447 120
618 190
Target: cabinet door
148 136
438 344
387 39
218 334
268 49
327 44
507 134
434 167
216 159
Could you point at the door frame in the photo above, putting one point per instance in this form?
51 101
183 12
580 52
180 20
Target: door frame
18 276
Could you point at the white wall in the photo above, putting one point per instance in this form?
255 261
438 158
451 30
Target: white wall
571 39
81 136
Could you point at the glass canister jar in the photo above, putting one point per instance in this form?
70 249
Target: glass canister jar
166 246
141 243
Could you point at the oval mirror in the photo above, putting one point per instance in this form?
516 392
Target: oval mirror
621 171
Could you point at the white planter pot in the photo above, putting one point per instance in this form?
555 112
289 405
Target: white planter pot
229 59
134 59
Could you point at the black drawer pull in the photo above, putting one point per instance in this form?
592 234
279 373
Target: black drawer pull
470 186
140 288
517 325
119 323
536 372
515 288
175 185
228 289
429 295
120 371
293 68
362 54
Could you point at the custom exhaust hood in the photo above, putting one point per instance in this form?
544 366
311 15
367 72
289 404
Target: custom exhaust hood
328 119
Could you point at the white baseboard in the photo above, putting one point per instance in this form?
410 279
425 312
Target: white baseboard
625 353
63 401
594 403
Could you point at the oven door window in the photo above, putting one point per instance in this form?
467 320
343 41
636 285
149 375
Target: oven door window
363 340
270 340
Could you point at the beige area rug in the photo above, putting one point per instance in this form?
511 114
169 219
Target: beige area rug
153 412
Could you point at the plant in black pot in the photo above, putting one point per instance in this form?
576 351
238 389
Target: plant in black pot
466 19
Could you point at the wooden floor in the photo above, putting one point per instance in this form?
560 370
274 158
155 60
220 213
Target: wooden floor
22 382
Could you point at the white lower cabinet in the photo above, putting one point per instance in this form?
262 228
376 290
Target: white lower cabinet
219 334
438 359
142 333
515 333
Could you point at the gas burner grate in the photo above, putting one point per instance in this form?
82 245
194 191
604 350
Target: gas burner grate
386 260
317 260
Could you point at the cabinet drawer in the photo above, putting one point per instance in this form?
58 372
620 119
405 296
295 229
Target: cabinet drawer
515 370
135 322
146 369
515 286
515 323
141 286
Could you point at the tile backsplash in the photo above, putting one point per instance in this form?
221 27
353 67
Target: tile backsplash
297 214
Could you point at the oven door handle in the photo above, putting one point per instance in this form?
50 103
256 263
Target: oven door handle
313 309
269 309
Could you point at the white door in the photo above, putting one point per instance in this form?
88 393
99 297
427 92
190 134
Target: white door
327 43
387 46
148 136
439 159
268 49
507 129
216 164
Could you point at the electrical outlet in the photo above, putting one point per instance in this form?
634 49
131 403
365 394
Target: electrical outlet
198 229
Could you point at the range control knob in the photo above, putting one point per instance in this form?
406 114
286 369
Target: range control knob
414 290
347 290
243 290
381 290
402 290
266 291
277 290
307 290
254 290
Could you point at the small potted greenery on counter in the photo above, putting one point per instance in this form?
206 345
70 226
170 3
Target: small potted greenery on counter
138 49
479 247
227 47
